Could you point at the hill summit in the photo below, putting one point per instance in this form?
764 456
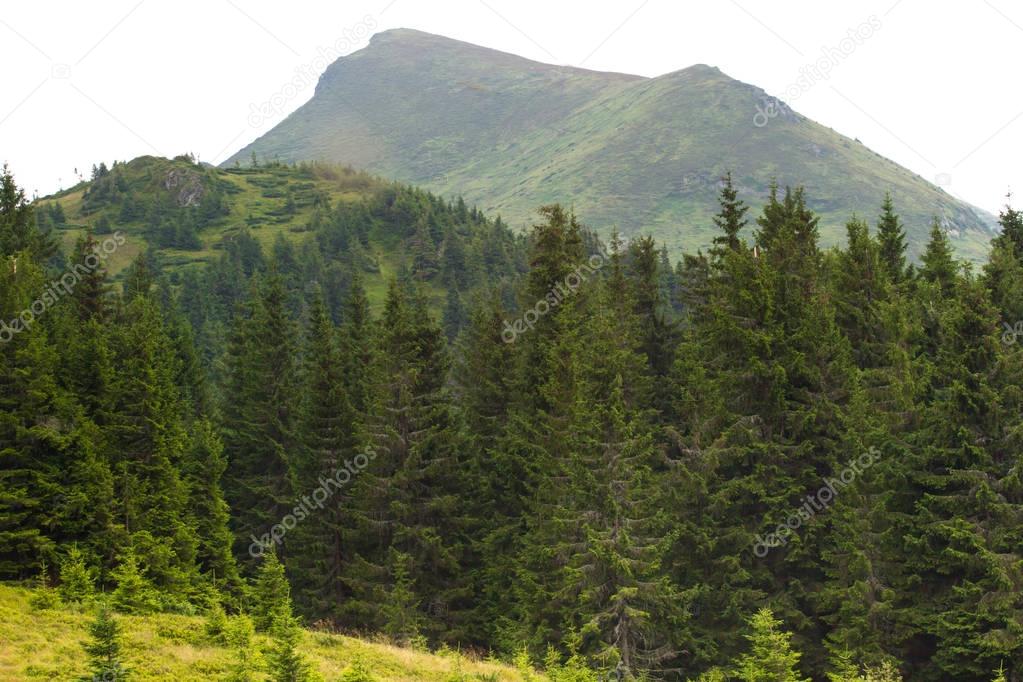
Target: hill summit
642 154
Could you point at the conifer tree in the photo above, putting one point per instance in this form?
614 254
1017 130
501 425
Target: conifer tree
771 658
77 584
960 499
56 487
147 444
286 664
91 293
104 650
271 595
203 469
730 219
411 490
259 417
18 230
939 265
330 438
134 592
1011 222
658 337
891 241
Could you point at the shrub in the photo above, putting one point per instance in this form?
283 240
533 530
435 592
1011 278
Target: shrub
356 672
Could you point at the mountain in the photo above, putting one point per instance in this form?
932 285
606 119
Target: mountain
643 154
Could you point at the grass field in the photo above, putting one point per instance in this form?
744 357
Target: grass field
47 645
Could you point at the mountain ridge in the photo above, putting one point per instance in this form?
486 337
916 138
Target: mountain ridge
640 154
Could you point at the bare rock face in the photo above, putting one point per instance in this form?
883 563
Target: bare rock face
186 186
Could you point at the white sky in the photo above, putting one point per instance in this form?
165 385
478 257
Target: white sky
935 87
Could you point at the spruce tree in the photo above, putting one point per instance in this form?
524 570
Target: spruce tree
891 240
258 421
271 594
203 470
330 438
771 657
408 497
104 649
134 592
285 663
730 219
77 583
147 444
939 264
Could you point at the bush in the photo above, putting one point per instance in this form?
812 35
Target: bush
238 634
356 672
44 597
216 624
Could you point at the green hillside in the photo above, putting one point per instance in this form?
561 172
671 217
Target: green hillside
187 215
47 645
642 154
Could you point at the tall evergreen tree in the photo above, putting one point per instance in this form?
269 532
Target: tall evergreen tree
891 241
408 497
329 435
259 417
939 264
730 219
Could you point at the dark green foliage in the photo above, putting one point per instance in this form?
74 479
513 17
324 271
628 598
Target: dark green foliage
939 265
891 240
408 499
603 486
730 220
258 427
18 229
330 438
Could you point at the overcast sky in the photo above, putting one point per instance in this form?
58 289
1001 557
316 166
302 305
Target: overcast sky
935 87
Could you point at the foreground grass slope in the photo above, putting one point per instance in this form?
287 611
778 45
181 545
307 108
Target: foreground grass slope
47 645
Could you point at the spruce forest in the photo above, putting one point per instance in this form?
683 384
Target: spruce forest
584 457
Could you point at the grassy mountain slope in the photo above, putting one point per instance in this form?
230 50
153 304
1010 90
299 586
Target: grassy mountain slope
47 645
644 154
268 202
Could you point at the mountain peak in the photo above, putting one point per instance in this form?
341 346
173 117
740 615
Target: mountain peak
643 154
